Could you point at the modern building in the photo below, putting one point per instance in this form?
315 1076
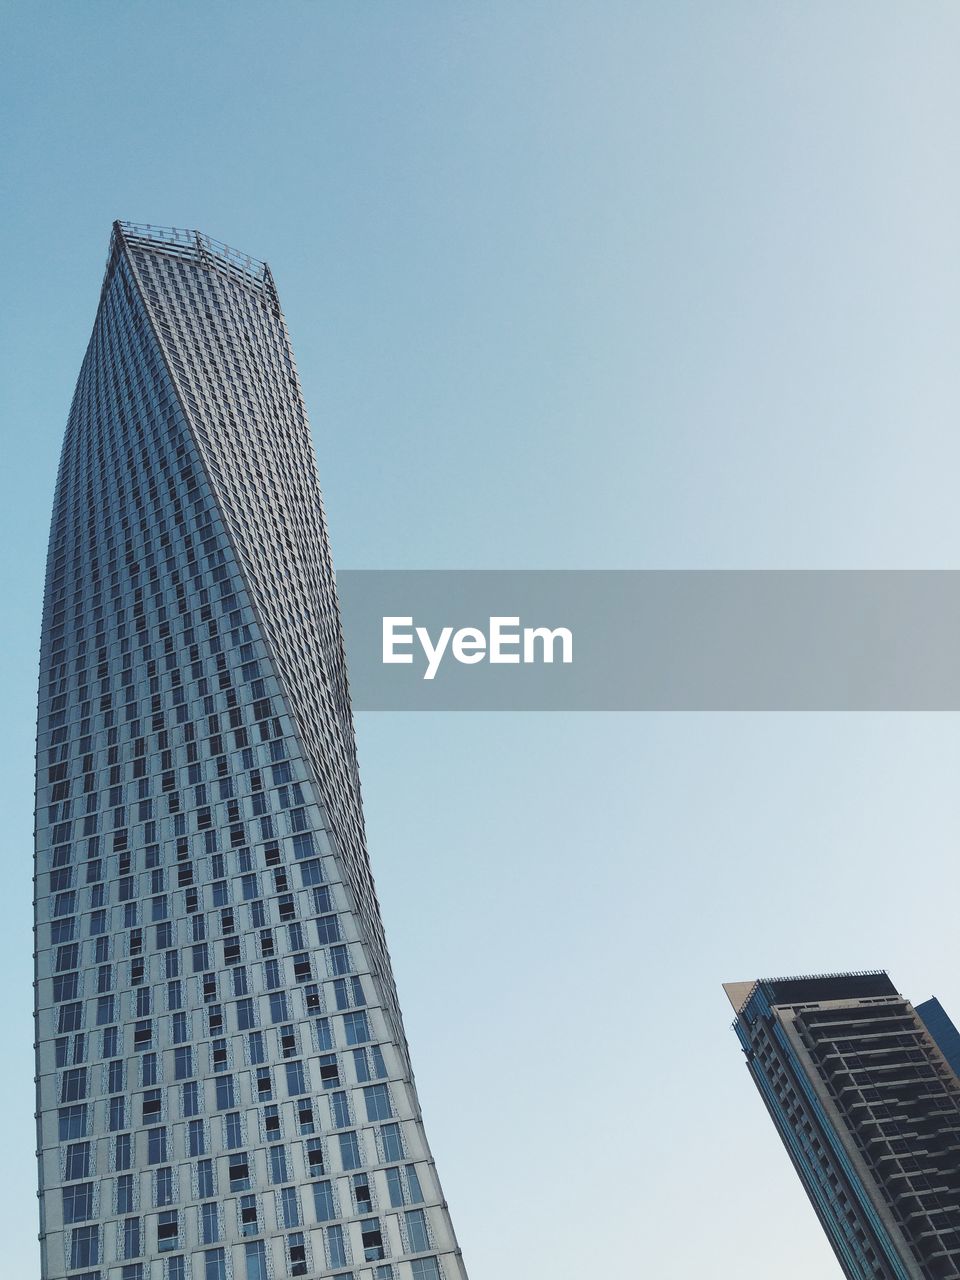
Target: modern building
938 1023
224 1090
869 1111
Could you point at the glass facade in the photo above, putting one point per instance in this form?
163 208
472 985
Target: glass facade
224 1088
941 1028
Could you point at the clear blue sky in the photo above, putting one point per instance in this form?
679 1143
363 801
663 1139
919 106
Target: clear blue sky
570 285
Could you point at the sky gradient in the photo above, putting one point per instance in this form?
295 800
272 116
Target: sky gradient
610 286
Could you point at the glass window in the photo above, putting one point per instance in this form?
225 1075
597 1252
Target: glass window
256 1260
118 1112
125 1193
239 1172
168 1230
256 1050
209 1222
297 1253
71 1017
72 1122
214 1265
73 1086
336 1252
271 1120
329 1071
289 1207
371 1239
296 1082
78 1202
361 1193
377 1099
392 1142
413 1184
205 1183
328 930
156 1146
77 1161
395 1187
361 1065
311 872
131 1237
249 1219
355 1027
85 1246
163 1187
323 1201
315 1165
196 1138
305 1116
416 1221
340 1109
278 1165
233 1130
349 1150
65 987
303 846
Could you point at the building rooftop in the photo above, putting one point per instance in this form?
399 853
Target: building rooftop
813 987
189 246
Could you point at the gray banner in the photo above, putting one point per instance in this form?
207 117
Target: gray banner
652 640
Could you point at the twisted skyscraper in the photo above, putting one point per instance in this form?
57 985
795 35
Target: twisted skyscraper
223 1083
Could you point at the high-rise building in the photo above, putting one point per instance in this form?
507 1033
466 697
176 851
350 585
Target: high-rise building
938 1023
869 1111
224 1090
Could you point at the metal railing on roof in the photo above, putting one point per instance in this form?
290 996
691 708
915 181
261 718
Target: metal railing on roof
195 245
820 977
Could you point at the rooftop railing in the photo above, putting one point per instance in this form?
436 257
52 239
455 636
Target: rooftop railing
195 245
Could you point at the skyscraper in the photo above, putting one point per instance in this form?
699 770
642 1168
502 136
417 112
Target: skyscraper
938 1023
224 1090
869 1111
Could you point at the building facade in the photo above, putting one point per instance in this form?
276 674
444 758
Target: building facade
938 1023
224 1089
869 1111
